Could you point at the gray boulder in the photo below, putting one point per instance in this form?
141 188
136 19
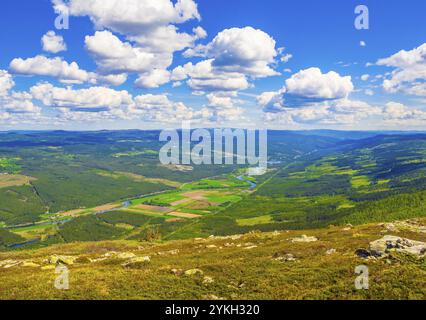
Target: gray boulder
382 247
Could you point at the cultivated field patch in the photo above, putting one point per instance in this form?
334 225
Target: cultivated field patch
184 215
154 208
106 207
14 180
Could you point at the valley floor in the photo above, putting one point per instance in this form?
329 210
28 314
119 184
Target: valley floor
275 265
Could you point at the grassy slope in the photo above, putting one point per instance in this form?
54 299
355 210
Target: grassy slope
238 273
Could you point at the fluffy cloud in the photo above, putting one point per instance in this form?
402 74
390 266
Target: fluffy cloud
52 67
67 73
131 17
91 99
232 59
12 103
53 43
218 83
313 84
153 79
150 32
398 111
305 88
165 40
205 77
222 108
409 75
199 32
6 82
111 79
365 77
244 50
336 112
313 97
272 101
113 55
286 58
19 103
101 103
160 109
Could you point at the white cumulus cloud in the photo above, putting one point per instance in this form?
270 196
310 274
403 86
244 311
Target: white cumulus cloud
149 28
52 67
91 99
6 82
313 84
53 43
409 74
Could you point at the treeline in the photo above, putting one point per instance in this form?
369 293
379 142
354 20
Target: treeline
395 207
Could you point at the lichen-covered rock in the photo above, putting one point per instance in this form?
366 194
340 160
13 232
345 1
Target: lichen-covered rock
110 254
284 257
126 255
304 238
177 272
171 252
68 260
30 264
193 272
137 262
7 264
207 281
331 251
382 247
409 225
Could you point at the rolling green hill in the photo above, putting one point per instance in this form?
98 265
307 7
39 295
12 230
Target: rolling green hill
129 228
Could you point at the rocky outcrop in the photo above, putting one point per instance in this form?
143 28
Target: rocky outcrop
287 258
383 247
208 280
331 251
304 238
409 225
126 255
57 259
7 264
194 272
137 262
387 244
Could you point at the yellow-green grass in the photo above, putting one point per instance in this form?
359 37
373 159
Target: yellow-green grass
383 181
138 178
35 232
255 221
326 168
14 180
360 181
346 205
242 268
127 154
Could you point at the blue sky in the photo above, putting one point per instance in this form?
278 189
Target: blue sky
155 63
